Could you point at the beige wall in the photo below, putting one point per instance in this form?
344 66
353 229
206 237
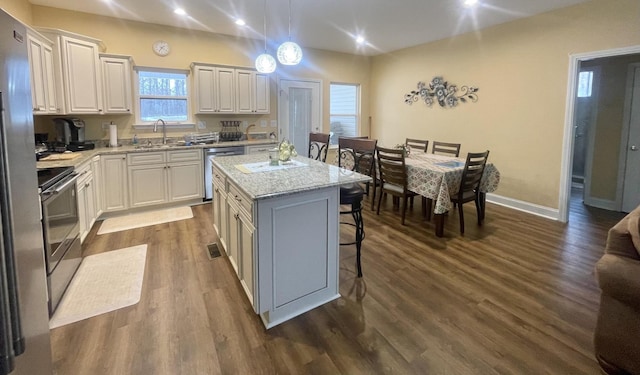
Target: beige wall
521 70
609 123
187 46
20 9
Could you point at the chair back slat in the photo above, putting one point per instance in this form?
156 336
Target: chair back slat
472 173
318 146
418 144
452 149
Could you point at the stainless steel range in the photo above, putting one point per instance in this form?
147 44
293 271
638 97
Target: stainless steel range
61 229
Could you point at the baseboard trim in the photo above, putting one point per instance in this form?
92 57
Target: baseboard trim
601 203
534 209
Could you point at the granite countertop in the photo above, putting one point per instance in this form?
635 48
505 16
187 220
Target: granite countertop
268 184
88 154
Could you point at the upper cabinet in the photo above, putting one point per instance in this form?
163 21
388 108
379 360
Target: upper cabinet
220 89
77 72
116 83
43 89
252 91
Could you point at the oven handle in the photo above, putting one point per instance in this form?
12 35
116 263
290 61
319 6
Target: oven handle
70 180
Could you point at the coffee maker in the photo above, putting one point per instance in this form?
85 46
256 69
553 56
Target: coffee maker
70 133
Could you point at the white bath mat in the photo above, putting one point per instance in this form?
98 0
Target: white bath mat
104 282
145 219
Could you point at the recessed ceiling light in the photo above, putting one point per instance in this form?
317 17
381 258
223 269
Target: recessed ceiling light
180 11
470 3
360 40
240 22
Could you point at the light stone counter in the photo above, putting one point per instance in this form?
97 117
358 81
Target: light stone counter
87 155
261 185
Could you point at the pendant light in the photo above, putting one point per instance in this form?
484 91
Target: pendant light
265 63
289 53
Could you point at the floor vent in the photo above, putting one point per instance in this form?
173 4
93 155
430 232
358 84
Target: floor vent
213 251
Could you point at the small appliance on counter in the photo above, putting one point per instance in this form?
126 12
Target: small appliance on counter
70 133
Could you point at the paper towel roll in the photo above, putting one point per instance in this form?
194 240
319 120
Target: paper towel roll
113 135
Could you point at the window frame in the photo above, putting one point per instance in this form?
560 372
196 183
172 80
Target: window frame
357 115
188 123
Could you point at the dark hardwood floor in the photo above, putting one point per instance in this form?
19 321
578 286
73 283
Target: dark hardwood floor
516 296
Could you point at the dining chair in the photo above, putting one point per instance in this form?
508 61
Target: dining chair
418 144
318 146
358 155
452 149
469 189
393 177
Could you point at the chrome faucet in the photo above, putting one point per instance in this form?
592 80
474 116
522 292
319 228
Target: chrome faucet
164 129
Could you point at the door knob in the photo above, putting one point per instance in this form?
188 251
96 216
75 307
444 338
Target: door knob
634 148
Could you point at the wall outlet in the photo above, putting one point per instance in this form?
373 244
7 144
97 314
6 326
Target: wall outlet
274 123
105 125
202 124
263 123
245 124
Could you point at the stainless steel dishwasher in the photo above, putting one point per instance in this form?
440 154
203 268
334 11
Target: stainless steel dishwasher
211 153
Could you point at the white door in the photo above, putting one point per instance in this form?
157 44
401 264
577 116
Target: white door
631 192
299 112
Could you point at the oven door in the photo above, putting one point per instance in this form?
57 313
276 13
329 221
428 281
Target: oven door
60 221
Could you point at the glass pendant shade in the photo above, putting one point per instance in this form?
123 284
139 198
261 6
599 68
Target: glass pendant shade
265 63
289 53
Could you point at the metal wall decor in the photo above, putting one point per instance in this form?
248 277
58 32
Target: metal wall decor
440 90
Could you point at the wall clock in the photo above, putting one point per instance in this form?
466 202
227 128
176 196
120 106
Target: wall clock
161 48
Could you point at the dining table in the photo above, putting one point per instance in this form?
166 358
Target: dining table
437 177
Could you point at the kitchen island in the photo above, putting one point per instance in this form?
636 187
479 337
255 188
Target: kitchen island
279 227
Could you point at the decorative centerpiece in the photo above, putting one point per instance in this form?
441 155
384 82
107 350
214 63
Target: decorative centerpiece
405 148
287 150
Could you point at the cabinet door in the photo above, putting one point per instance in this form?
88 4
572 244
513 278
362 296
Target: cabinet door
215 207
50 83
233 240
185 181
204 87
90 194
246 259
225 90
244 91
262 93
82 210
116 80
147 185
114 182
97 184
83 82
223 234
38 84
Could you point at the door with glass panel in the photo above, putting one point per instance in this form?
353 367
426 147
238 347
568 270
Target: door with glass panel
299 112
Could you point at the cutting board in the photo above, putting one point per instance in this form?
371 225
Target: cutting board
64 156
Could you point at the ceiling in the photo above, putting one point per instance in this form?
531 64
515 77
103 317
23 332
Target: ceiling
386 25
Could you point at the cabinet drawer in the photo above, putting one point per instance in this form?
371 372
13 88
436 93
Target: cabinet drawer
242 200
220 179
146 158
84 172
258 149
184 155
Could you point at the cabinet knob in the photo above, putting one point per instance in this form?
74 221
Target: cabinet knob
236 216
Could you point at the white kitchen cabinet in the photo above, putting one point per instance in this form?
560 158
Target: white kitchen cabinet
86 199
43 94
252 92
233 243
240 239
255 149
219 207
116 82
77 72
97 182
214 89
247 247
164 177
114 182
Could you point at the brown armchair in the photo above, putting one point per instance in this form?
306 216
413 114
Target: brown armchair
617 333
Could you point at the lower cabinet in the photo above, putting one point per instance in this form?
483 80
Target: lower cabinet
219 207
87 208
164 177
114 182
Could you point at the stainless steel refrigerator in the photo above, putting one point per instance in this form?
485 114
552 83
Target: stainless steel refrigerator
25 344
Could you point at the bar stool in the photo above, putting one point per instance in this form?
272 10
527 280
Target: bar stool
355 154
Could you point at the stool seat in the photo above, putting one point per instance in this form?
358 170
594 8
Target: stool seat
351 193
